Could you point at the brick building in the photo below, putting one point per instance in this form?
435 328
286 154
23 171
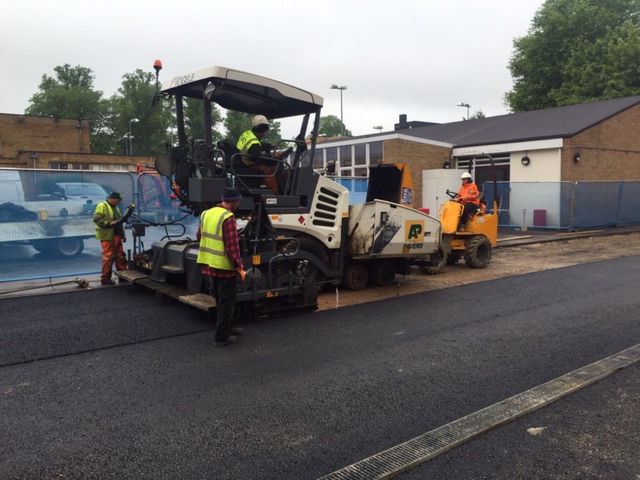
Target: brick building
28 141
585 142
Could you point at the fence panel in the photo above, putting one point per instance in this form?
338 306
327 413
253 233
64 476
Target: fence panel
42 207
596 204
532 204
45 220
503 192
628 206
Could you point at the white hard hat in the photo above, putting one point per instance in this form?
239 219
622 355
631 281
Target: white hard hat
465 175
259 120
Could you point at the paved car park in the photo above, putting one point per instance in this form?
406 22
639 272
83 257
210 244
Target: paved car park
116 383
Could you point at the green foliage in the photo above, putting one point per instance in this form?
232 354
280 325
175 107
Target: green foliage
331 126
194 119
235 123
70 94
576 51
616 73
477 114
134 101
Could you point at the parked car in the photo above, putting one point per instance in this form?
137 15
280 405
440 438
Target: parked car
89 193
79 191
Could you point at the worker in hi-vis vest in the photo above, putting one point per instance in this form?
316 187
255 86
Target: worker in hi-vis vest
110 232
219 255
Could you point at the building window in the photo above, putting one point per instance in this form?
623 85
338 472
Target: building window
352 160
59 166
482 170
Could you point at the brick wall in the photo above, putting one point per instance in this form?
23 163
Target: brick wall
25 132
609 150
28 141
418 157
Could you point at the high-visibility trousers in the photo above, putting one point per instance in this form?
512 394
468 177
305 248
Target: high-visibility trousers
112 252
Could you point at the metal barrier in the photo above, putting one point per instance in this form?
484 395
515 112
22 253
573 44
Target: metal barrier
46 227
566 205
46 232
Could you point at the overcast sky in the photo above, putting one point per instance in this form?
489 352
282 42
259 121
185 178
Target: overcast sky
415 57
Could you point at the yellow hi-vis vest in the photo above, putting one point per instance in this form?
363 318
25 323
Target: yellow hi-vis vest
211 250
245 142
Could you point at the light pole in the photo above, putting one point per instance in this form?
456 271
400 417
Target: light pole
467 106
125 137
133 120
341 88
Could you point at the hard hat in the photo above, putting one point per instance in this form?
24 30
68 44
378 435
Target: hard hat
465 175
259 120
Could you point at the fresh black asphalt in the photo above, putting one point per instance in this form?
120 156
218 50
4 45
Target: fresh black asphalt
115 383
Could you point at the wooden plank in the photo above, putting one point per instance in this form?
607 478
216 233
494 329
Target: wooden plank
131 275
199 300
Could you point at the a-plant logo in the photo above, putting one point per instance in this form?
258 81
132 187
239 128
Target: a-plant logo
413 235
413 230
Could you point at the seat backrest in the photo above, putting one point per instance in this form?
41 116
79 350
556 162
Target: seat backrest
228 148
247 179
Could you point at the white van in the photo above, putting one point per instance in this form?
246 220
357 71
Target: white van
11 187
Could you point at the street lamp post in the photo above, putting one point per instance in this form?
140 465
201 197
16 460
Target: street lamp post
125 137
130 137
341 88
467 106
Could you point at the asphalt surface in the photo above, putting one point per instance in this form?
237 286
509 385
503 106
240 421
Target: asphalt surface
113 383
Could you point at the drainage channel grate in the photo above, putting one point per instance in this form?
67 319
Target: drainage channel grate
402 457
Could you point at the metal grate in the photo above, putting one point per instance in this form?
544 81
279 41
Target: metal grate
325 212
402 457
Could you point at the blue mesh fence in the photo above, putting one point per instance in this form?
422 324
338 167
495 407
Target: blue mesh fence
596 205
599 204
628 208
559 205
46 229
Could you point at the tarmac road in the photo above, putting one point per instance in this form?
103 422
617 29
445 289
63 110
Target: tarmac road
113 383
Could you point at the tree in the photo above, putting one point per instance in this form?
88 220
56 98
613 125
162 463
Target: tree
477 114
546 65
70 94
194 119
607 68
133 112
332 126
235 123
